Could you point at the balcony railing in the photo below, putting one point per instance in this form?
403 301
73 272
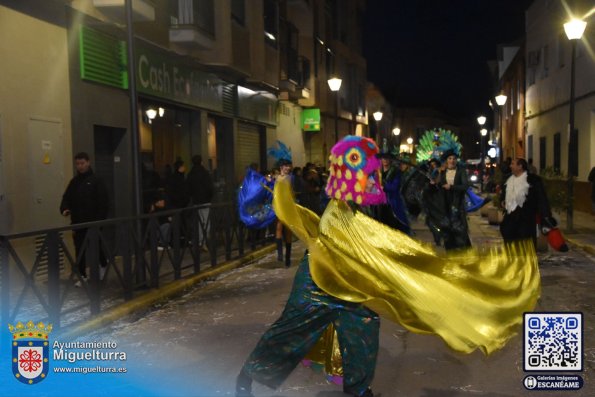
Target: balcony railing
193 24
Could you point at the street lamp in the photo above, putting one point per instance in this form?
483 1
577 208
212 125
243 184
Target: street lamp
377 116
481 120
574 31
501 101
335 85
410 143
483 133
397 133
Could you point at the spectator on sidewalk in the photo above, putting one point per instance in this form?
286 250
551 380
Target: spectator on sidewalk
159 205
85 200
201 189
177 193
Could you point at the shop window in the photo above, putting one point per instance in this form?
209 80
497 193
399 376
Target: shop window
198 13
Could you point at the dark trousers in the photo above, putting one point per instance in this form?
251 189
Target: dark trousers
79 236
307 314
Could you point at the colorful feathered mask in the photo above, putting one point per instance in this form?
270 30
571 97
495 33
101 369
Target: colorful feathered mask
354 172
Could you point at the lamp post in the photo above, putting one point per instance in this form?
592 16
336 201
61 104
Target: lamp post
335 85
501 101
377 116
574 31
483 133
397 133
410 143
481 120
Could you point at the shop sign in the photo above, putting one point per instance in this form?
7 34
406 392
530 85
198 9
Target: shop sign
311 119
157 75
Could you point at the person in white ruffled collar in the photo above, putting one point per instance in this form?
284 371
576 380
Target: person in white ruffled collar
524 199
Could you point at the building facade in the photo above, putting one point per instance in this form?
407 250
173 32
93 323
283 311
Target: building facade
511 121
548 54
222 79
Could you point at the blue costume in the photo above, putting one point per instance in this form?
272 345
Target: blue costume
391 183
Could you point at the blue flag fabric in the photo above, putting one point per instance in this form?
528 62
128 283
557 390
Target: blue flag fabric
254 201
473 202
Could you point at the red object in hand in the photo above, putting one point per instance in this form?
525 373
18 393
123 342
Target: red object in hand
556 240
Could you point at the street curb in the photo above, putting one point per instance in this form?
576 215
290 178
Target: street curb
585 247
162 293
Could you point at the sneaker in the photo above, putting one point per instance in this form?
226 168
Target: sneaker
79 284
102 271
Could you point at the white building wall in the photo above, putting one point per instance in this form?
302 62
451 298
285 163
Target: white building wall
34 85
548 84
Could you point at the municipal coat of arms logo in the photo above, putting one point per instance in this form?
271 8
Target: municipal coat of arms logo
30 351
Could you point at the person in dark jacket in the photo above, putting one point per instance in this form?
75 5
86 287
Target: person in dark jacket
201 189
446 194
85 200
524 199
199 182
177 192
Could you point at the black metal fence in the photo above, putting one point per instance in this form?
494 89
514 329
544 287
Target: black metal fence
140 253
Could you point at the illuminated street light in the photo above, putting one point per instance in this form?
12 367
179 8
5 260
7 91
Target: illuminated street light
501 101
574 29
483 132
396 131
377 115
334 84
481 120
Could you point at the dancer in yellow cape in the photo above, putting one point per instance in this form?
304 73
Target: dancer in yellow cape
357 267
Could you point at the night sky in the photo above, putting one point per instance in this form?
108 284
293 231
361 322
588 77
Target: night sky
435 52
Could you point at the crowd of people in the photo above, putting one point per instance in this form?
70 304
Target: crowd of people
86 199
346 278
330 291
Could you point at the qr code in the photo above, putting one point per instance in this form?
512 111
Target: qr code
553 342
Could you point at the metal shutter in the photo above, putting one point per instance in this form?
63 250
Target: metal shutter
248 147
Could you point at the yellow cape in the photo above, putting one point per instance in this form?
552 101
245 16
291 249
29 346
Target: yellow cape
472 299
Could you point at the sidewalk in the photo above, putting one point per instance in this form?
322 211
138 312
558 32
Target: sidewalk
583 235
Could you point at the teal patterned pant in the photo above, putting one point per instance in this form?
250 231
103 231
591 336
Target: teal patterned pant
308 312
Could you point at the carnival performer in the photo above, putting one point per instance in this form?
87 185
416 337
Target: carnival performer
391 177
358 268
453 182
255 200
524 199
282 233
